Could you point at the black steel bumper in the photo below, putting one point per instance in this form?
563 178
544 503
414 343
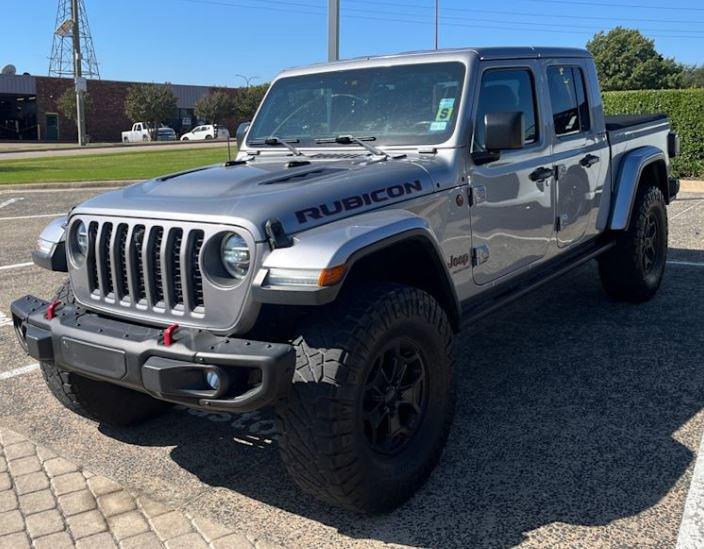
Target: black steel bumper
251 374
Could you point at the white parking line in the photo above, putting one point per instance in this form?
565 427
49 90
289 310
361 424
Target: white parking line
15 266
691 535
37 216
10 201
685 263
18 371
697 204
4 321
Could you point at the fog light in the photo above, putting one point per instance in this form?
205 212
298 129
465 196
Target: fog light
213 380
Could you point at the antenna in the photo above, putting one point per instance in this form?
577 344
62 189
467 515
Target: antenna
62 50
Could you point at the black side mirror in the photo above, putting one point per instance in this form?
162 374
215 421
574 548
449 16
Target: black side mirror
503 131
241 133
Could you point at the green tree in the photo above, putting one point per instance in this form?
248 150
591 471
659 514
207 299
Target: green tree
152 103
66 104
216 107
248 99
693 76
627 60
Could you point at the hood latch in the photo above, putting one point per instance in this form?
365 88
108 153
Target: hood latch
276 234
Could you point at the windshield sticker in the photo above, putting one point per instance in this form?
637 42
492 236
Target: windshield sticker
445 109
438 126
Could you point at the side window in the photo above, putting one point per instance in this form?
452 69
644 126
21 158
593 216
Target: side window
570 111
506 90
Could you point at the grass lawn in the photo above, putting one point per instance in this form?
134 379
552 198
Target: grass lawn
107 167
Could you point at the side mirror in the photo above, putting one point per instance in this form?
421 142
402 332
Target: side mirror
241 133
503 131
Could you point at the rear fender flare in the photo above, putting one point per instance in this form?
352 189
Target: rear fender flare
629 174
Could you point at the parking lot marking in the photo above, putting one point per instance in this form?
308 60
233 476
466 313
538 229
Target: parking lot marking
18 371
10 201
15 266
696 204
4 321
691 534
37 216
686 263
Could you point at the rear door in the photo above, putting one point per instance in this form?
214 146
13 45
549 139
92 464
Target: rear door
579 152
512 210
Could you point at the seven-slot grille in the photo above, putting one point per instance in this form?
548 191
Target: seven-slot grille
151 267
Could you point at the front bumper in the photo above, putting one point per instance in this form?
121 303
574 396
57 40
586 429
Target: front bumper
250 374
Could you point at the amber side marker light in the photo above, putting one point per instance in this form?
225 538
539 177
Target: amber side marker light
332 275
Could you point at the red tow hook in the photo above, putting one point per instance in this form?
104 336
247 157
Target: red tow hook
169 334
51 310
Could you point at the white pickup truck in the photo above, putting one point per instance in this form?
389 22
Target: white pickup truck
141 131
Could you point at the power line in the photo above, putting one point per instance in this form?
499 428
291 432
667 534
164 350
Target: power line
533 14
521 25
612 5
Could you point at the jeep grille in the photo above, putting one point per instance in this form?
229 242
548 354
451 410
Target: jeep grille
152 267
152 271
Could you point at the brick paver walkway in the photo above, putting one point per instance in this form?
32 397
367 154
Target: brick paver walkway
48 502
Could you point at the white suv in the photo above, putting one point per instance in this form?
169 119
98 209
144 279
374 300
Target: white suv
208 131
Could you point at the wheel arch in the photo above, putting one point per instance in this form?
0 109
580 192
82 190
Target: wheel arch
386 245
643 164
411 259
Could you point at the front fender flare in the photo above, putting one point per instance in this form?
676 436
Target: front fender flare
627 180
342 242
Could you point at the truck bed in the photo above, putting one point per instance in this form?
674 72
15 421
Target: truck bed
622 121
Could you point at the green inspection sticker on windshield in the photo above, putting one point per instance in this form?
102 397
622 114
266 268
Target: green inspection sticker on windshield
445 109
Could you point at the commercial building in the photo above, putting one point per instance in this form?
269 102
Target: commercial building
28 109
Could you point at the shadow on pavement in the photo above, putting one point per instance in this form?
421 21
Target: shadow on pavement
566 410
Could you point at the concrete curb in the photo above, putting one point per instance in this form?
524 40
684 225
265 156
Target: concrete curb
691 186
66 185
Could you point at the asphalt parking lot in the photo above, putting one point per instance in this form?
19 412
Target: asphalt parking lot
578 423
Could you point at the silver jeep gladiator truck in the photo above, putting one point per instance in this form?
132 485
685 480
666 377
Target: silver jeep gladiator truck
376 207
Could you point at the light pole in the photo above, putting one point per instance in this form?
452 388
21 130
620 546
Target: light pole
247 79
333 30
79 81
437 24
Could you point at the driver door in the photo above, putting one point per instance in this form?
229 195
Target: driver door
512 207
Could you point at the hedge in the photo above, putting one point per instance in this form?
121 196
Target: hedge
686 110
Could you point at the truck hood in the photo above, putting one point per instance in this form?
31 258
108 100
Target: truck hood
248 195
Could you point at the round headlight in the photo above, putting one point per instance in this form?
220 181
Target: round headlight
235 255
82 238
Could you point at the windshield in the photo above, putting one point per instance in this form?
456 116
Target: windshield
401 105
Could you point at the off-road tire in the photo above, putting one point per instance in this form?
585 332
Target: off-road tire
624 273
96 400
323 442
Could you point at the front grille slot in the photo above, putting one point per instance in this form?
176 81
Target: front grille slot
136 254
104 261
155 267
195 273
174 251
150 267
119 252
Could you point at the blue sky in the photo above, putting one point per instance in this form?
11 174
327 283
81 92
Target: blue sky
209 41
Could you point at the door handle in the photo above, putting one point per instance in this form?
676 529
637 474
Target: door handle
541 174
589 160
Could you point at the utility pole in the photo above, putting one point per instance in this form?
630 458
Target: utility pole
437 24
79 81
333 30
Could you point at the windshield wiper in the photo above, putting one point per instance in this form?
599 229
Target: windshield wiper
350 139
273 140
